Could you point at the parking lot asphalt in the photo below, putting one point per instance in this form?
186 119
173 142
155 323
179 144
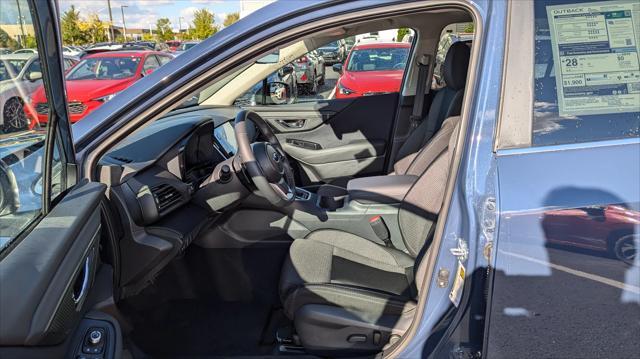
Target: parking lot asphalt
325 91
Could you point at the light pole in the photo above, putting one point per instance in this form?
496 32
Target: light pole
124 25
112 35
21 21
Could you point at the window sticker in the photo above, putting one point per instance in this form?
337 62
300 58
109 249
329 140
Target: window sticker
595 49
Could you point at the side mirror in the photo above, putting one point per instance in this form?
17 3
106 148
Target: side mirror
147 72
337 68
287 70
34 76
279 93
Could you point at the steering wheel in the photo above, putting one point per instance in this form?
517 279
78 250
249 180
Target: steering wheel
399 65
265 162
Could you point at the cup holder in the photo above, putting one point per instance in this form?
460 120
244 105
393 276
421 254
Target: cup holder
331 197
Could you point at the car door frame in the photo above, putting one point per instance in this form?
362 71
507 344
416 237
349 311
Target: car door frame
48 270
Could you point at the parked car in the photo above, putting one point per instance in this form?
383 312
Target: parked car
421 223
20 76
184 46
26 51
333 52
371 69
72 51
173 45
310 72
4 51
97 79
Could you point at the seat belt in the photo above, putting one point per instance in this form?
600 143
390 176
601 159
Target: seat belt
423 72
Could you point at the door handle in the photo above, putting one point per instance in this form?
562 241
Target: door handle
83 278
292 123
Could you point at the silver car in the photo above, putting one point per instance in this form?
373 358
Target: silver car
20 76
310 73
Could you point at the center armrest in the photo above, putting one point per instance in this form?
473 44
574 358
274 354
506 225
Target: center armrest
380 189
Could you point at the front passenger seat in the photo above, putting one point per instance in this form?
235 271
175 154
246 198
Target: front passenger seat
346 293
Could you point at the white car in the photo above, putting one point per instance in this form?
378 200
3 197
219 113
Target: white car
26 51
20 76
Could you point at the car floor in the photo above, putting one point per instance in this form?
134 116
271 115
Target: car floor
210 303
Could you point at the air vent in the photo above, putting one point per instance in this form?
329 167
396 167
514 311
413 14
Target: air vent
165 196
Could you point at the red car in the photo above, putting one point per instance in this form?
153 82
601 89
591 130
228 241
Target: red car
97 79
370 69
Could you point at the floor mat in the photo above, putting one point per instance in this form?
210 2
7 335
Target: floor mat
197 327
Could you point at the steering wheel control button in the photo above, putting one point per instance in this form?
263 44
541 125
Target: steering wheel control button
94 341
225 174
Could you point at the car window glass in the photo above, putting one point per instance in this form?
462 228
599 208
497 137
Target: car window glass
586 86
164 59
104 68
361 65
23 131
151 63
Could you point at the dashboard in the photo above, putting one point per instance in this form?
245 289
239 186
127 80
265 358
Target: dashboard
167 168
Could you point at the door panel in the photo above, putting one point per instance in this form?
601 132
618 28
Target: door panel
335 139
47 276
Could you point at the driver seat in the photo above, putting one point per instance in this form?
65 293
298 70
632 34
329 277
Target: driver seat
346 294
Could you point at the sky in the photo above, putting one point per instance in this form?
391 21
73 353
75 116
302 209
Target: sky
138 14
141 13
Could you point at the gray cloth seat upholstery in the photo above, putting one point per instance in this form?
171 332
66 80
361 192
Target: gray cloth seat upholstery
333 279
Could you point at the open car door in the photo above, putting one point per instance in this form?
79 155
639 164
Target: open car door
50 224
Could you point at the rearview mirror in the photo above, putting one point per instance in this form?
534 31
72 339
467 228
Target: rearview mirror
34 76
337 68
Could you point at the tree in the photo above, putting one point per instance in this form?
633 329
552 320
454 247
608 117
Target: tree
231 18
8 42
163 29
401 33
470 28
71 32
94 29
203 24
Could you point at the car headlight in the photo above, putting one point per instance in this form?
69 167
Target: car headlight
106 98
344 90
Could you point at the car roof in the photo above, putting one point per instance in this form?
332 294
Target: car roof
381 45
22 56
124 53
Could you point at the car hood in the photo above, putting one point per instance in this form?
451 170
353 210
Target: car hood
372 81
86 90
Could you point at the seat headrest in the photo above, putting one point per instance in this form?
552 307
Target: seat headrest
456 63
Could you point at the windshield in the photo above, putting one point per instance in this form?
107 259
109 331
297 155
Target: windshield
187 46
379 59
9 69
332 45
105 68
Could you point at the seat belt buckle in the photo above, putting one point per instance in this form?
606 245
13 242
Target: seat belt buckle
381 230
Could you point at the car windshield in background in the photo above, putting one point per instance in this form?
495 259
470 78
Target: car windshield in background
331 45
101 68
186 46
10 68
381 59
